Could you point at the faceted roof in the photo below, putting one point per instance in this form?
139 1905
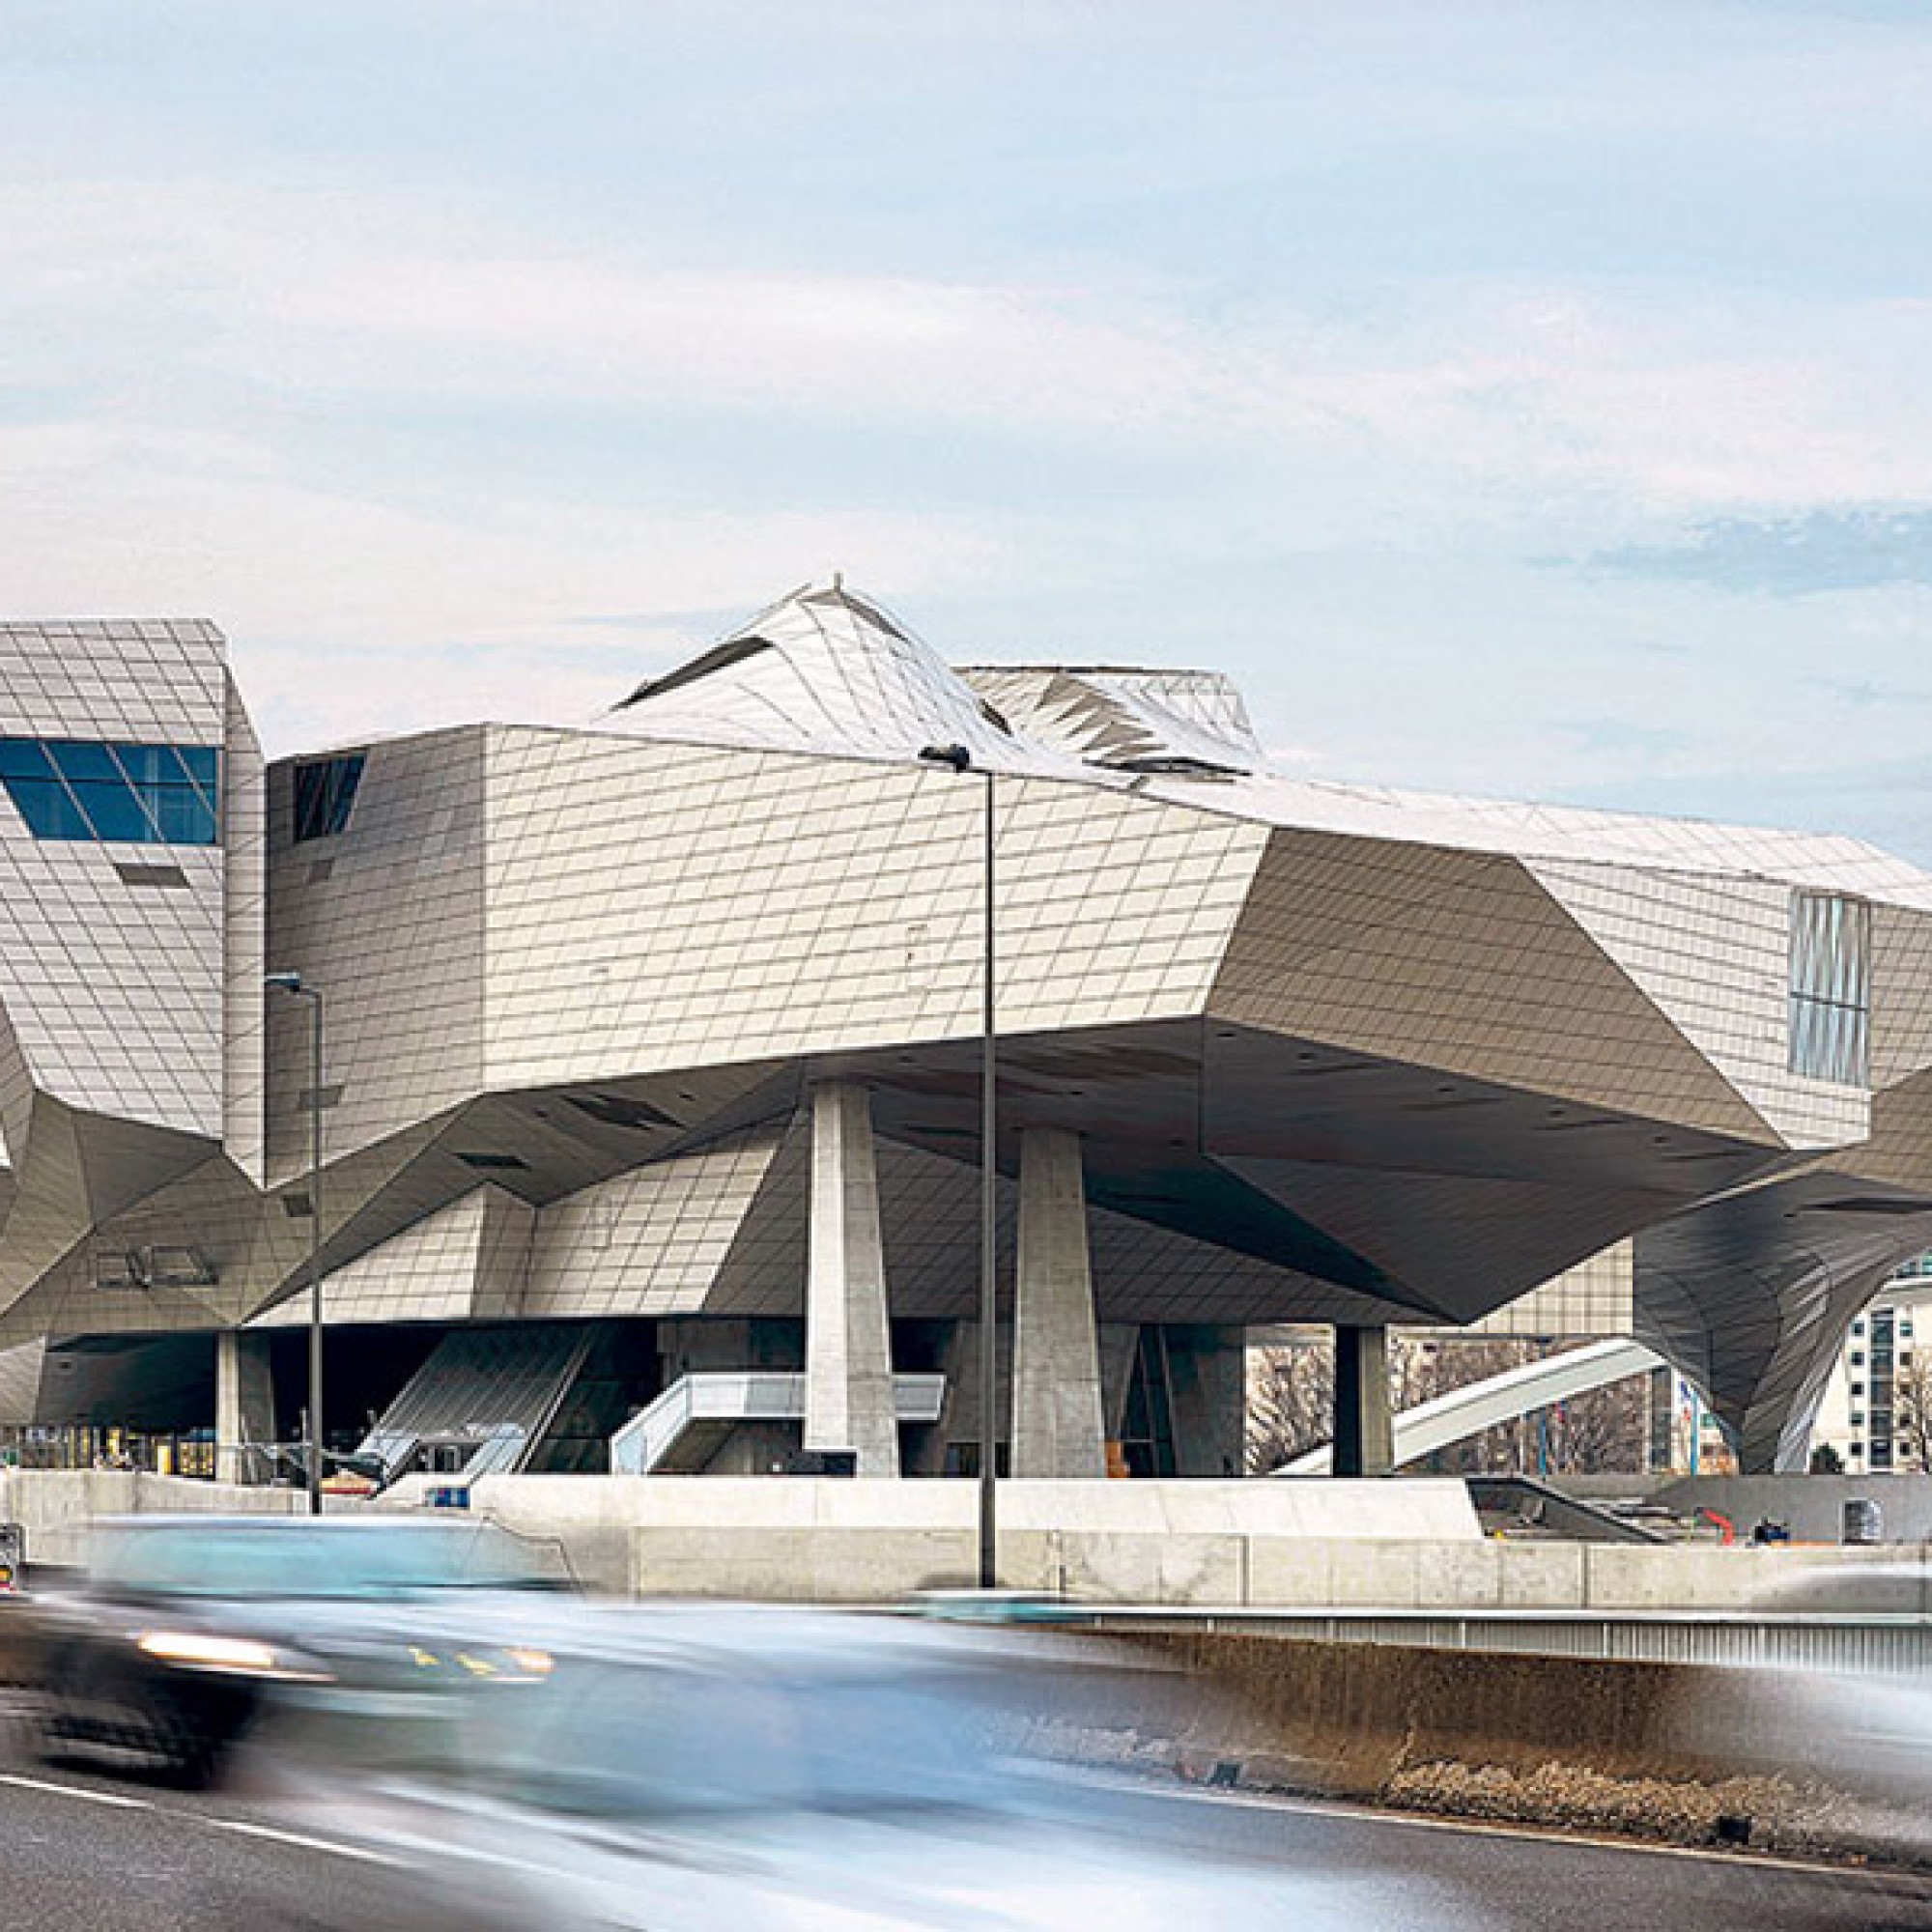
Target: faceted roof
824 669
827 671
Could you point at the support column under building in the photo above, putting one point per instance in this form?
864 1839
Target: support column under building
1059 1427
1364 1416
1208 1382
849 1401
244 1407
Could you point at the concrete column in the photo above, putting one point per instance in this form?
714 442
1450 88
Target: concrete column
1118 1340
1207 1380
245 1406
1364 1417
960 1415
849 1404
1058 1425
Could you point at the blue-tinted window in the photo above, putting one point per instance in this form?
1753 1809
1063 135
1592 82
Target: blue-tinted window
150 764
203 765
76 788
184 817
49 808
79 758
114 812
324 790
24 758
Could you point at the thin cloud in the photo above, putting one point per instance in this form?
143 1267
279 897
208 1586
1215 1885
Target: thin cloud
1823 550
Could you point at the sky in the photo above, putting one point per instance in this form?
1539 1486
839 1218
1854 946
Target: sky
1517 396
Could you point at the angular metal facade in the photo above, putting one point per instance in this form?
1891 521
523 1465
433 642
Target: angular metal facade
1331 1053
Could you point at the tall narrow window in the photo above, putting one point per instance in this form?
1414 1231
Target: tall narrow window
1831 988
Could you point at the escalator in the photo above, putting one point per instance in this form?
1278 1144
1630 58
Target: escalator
485 1402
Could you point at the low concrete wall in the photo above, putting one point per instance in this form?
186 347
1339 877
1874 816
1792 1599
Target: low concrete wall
1811 1507
1361 1546
1407 1545
1194 1543
55 1506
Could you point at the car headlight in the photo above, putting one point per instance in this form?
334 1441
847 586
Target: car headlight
243 1655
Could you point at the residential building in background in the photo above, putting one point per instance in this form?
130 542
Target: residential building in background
1876 1415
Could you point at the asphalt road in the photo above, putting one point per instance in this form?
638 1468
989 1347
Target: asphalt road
81 1853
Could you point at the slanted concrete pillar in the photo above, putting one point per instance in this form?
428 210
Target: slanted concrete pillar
1058 1425
244 1407
1207 1380
1364 1419
849 1403
959 1416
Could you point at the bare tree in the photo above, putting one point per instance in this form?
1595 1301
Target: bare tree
1911 1409
1291 1406
1290 1401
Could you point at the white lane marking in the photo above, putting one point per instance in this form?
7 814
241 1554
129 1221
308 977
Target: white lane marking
119 1801
1539 1834
301 1839
114 1799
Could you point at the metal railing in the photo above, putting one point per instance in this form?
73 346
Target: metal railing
1865 1644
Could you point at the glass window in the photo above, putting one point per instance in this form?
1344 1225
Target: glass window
24 758
150 764
1831 988
203 765
74 788
76 759
324 791
49 808
114 813
184 817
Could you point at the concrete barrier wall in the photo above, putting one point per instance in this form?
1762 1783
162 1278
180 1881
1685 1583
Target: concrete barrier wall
835 1541
1410 1545
1345 1720
1815 1763
55 1506
1343 1545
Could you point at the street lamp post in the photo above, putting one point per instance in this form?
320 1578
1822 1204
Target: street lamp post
293 983
959 759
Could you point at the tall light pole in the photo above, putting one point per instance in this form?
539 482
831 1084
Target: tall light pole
959 759
293 983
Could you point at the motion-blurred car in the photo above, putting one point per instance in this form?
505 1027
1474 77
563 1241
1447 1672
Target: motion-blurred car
187 1628
757 1770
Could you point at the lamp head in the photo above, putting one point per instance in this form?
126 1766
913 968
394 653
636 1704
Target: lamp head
284 982
958 756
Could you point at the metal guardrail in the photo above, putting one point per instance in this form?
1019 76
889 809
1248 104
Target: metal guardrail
1892 1646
